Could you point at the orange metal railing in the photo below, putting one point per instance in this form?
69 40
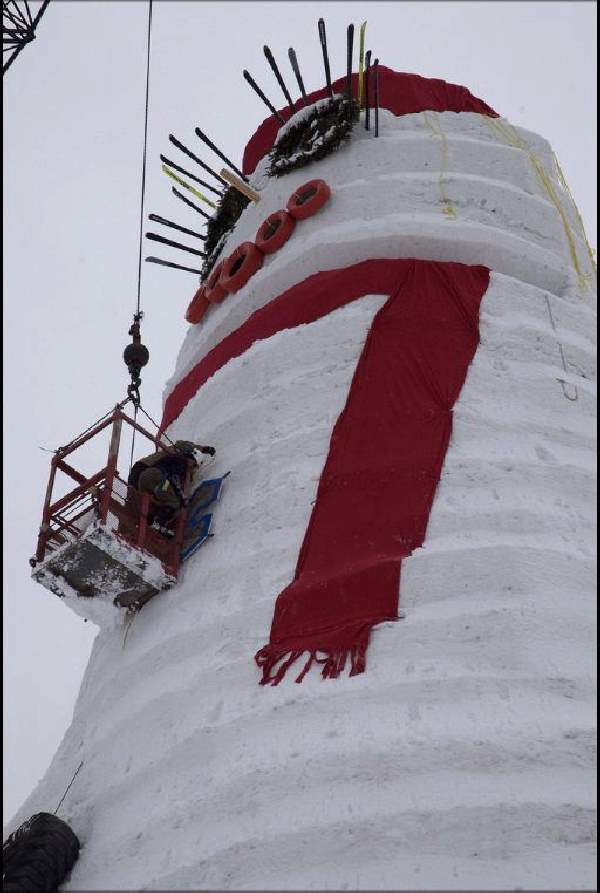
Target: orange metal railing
107 498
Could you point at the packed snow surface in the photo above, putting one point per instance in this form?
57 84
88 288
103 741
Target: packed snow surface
387 201
463 757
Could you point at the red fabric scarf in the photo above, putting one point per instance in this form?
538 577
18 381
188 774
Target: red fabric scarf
385 458
386 451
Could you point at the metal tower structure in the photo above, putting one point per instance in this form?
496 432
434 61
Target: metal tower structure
18 28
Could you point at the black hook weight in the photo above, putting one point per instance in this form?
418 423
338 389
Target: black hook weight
135 356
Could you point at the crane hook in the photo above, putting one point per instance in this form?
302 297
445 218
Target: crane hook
135 355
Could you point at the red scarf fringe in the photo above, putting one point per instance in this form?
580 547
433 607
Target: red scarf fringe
332 652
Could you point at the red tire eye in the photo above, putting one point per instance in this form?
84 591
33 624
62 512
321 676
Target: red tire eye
304 196
240 266
274 232
214 290
308 199
198 306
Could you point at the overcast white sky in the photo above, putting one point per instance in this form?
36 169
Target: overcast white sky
73 134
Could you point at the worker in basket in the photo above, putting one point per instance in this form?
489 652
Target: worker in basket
166 476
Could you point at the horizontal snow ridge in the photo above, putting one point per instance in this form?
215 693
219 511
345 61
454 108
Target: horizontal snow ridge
464 752
388 200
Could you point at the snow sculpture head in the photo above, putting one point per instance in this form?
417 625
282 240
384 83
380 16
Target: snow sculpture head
414 216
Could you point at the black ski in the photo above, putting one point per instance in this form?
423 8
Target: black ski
156 218
376 73
367 71
154 238
189 203
296 70
17 12
182 170
271 60
191 155
6 11
349 47
166 263
248 77
218 152
323 40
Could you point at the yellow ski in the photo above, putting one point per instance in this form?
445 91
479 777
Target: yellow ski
195 192
361 64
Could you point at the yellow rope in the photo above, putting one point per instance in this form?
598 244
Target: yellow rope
508 133
447 208
565 186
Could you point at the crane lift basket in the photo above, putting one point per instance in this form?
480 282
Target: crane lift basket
95 542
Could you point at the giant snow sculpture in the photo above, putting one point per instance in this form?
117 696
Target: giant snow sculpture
403 389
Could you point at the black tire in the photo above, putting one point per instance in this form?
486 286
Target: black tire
39 855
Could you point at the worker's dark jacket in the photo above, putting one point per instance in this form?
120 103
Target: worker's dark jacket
173 466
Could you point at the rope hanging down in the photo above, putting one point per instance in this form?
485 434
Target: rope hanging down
75 774
563 382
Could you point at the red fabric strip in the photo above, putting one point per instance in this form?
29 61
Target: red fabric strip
399 93
305 302
386 450
385 458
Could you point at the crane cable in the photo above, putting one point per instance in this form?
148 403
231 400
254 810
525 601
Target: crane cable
133 389
135 354
144 156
